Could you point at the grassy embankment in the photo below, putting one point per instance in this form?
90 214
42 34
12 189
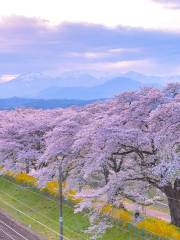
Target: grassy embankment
39 211
38 206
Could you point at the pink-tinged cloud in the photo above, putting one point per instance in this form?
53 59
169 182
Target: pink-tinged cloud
31 45
7 77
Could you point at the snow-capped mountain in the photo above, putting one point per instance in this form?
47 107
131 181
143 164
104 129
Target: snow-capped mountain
78 85
30 84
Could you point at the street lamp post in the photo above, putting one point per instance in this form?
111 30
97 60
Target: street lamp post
59 157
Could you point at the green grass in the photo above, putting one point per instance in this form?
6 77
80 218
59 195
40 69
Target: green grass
37 206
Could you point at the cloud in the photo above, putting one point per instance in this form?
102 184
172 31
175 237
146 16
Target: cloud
31 45
135 13
169 3
6 77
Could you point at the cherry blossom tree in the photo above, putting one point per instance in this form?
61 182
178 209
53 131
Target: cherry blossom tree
138 145
22 138
121 147
58 143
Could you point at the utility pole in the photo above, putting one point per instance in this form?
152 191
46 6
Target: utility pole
59 157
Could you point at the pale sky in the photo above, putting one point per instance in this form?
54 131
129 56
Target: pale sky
134 13
92 35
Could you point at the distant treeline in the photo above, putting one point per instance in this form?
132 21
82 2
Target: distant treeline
12 103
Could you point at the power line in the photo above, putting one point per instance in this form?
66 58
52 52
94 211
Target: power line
35 193
42 224
55 201
52 220
54 230
49 198
25 189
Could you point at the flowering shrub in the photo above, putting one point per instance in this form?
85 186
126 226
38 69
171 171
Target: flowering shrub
107 209
52 188
115 213
25 179
120 214
71 196
160 228
155 226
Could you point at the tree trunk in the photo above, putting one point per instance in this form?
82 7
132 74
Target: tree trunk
173 195
27 166
106 174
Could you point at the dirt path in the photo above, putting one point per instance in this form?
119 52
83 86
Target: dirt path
11 230
150 212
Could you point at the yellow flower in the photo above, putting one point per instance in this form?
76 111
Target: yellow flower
120 214
26 179
160 228
107 209
52 188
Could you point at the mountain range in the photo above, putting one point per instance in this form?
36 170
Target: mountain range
37 90
79 86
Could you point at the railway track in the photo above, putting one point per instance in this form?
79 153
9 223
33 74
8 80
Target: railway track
11 230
